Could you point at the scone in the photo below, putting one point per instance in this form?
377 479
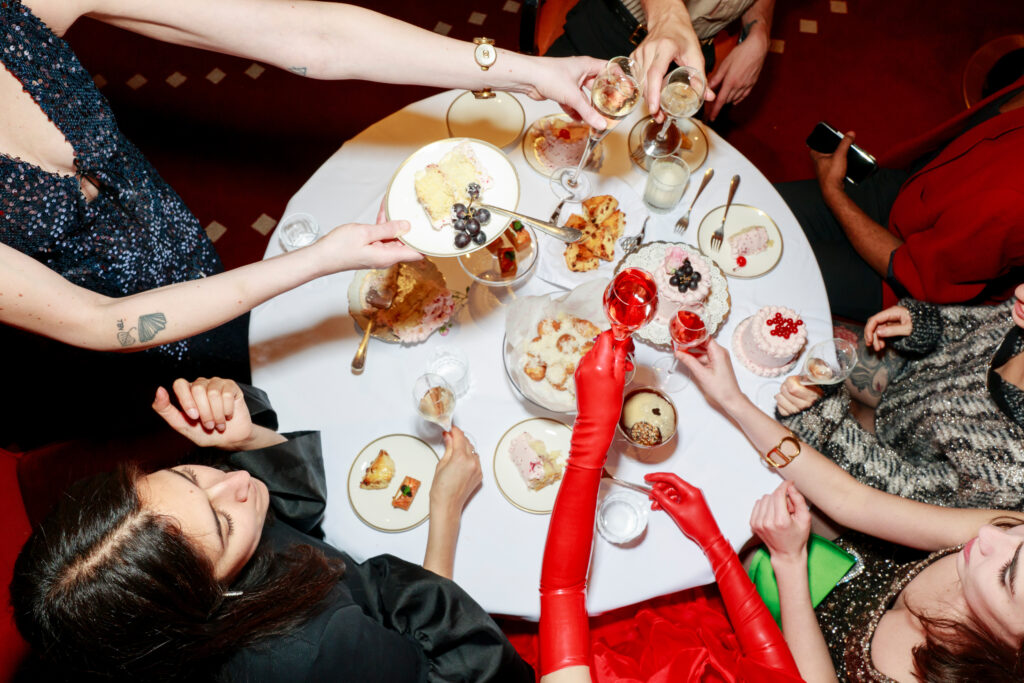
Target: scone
378 475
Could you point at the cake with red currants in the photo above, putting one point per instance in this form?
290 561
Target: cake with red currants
769 342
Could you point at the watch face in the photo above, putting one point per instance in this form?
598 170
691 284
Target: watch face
485 55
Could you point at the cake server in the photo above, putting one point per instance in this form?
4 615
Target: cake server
564 233
380 301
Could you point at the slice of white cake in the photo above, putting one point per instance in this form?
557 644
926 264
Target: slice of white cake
435 195
440 185
536 465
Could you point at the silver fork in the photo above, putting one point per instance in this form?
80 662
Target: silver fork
684 221
719 234
631 244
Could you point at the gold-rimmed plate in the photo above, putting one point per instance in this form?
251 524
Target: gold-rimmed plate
498 120
556 141
400 202
556 436
695 155
413 458
740 216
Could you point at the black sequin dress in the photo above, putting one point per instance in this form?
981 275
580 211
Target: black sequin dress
849 615
136 235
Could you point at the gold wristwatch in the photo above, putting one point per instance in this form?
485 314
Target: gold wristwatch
485 55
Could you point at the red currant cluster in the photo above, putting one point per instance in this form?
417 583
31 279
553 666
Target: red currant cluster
784 327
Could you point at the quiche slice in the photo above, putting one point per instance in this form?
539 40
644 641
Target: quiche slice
378 475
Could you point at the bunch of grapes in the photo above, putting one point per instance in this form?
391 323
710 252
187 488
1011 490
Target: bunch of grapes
468 221
685 277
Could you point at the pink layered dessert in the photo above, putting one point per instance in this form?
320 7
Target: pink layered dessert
536 466
770 340
670 299
752 240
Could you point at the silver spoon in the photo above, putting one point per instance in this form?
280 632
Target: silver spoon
684 221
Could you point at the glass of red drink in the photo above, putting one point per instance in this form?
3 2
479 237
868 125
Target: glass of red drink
689 335
630 301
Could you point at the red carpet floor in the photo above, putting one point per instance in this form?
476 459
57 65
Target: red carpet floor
237 139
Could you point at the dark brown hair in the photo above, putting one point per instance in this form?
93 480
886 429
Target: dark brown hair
107 589
967 650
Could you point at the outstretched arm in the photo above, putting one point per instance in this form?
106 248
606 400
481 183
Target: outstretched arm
330 40
840 496
738 72
39 300
564 631
756 630
670 38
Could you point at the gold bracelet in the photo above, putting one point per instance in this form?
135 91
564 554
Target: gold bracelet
783 457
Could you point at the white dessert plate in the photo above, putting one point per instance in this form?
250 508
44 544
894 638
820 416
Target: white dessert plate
556 436
740 216
543 128
552 267
413 458
498 120
400 202
650 257
694 157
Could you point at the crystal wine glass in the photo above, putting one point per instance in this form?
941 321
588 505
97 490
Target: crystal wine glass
689 334
434 400
681 97
614 93
630 301
828 362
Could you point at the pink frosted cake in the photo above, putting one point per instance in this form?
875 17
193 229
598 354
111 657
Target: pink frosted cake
769 342
752 240
536 466
676 289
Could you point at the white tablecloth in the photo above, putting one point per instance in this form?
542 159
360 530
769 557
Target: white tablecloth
303 342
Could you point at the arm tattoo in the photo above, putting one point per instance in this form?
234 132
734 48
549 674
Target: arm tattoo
148 327
299 70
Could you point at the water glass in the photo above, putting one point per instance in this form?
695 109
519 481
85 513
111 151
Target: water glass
622 517
298 230
450 362
666 183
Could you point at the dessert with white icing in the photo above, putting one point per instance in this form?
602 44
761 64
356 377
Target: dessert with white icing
536 465
769 342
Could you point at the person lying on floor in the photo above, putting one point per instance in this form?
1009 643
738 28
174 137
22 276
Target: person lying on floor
941 419
82 201
219 573
906 615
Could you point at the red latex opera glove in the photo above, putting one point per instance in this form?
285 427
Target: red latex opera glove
564 631
759 636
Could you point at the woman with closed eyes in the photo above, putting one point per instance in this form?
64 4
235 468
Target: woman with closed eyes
221 573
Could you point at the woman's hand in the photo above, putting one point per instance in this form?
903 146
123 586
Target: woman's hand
894 321
212 414
794 397
713 374
565 80
685 504
458 473
355 246
831 168
781 519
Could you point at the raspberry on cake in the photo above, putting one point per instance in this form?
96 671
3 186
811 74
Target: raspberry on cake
536 465
748 241
769 342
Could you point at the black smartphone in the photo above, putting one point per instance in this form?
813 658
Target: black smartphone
859 164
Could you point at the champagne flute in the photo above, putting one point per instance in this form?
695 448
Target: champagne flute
681 96
434 399
614 93
630 301
689 334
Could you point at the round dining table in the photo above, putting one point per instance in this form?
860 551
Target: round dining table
303 341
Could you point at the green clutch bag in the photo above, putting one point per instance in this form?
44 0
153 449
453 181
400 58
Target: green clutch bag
827 563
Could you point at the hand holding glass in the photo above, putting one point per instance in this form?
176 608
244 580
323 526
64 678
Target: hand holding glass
681 97
614 93
630 301
689 334
434 399
829 362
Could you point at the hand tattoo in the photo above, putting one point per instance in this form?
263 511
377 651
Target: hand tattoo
299 70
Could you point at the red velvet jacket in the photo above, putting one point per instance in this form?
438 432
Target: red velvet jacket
961 217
